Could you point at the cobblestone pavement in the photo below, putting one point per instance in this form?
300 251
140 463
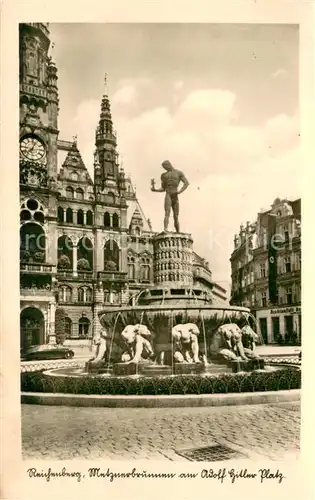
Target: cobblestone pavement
61 433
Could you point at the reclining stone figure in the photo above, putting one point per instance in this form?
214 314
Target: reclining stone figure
138 346
249 340
185 339
226 343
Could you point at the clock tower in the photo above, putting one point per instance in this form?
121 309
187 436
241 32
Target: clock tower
38 107
38 183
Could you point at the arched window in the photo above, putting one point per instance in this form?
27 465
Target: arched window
79 194
137 231
84 327
69 216
64 248
85 251
145 272
60 214
115 297
68 294
106 219
115 220
131 271
32 327
80 294
64 294
69 192
89 218
32 242
111 253
80 217
61 297
68 327
88 295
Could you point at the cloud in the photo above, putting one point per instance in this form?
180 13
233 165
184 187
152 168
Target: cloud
281 133
128 92
280 73
124 95
178 85
214 106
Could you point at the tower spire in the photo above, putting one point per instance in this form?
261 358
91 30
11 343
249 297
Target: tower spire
105 141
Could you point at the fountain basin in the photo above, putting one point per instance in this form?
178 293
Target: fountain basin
161 318
155 316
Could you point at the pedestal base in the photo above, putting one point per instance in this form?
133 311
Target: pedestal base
126 369
188 368
156 370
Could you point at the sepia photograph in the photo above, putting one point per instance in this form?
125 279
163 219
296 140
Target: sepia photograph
160 241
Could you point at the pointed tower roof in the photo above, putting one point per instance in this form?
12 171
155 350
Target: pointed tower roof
105 131
106 160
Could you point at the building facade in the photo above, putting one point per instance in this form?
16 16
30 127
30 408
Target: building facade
266 271
83 242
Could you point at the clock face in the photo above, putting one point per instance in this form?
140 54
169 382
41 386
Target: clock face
32 148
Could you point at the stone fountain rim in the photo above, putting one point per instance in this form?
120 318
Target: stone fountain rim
175 307
162 401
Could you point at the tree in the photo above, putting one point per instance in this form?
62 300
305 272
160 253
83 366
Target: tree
83 265
110 266
64 262
60 325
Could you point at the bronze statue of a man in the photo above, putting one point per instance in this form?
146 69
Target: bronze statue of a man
170 181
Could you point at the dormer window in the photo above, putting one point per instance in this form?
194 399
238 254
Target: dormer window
70 192
79 194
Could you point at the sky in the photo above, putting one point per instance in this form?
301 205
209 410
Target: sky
220 101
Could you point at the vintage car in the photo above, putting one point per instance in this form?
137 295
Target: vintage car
46 351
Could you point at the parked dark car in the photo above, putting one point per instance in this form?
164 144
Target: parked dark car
46 351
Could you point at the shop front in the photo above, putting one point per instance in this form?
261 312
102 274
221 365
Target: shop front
281 325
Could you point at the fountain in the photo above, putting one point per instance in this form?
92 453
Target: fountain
173 328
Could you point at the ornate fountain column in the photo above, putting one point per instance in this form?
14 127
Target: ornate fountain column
173 259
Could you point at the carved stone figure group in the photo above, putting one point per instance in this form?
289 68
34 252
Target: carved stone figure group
228 343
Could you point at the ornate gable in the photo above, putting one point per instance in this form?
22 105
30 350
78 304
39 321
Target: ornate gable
73 168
